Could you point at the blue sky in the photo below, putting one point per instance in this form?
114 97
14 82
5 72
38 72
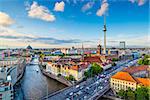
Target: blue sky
73 22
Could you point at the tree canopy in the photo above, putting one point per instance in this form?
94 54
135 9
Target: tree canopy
145 60
141 93
94 70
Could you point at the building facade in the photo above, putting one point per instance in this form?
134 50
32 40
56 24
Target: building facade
6 88
76 70
124 81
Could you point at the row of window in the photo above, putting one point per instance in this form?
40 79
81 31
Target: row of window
120 86
122 82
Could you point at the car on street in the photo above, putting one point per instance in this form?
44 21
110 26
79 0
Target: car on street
81 87
68 99
87 88
85 97
79 93
77 86
71 93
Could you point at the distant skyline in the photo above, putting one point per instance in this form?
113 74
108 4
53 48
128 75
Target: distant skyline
67 23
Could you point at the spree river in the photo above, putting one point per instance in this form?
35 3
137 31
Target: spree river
35 85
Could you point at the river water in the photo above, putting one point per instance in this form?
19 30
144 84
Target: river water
35 85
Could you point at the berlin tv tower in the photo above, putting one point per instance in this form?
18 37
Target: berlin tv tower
104 34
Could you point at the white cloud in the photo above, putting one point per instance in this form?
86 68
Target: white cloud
59 6
7 32
87 6
101 11
40 12
140 2
5 19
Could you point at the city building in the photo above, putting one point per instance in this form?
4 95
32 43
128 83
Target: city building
65 69
66 66
57 52
138 71
123 81
6 88
122 44
8 61
135 55
113 52
29 47
99 49
103 62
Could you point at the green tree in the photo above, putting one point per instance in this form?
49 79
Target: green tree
142 93
96 69
140 62
86 74
145 60
130 95
115 59
42 55
70 78
122 94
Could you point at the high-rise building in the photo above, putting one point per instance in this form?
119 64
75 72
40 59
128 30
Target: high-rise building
122 44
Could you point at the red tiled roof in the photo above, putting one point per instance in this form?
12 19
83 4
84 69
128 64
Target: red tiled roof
92 59
75 67
124 76
80 67
135 69
143 81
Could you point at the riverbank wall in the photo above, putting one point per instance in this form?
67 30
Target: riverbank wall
20 70
59 79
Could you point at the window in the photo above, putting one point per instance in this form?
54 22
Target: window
132 88
6 89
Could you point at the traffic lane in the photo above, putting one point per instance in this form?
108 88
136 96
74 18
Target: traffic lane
74 95
92 89
74 89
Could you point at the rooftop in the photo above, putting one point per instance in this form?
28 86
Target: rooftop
92 59
124 76
143 81
135 69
